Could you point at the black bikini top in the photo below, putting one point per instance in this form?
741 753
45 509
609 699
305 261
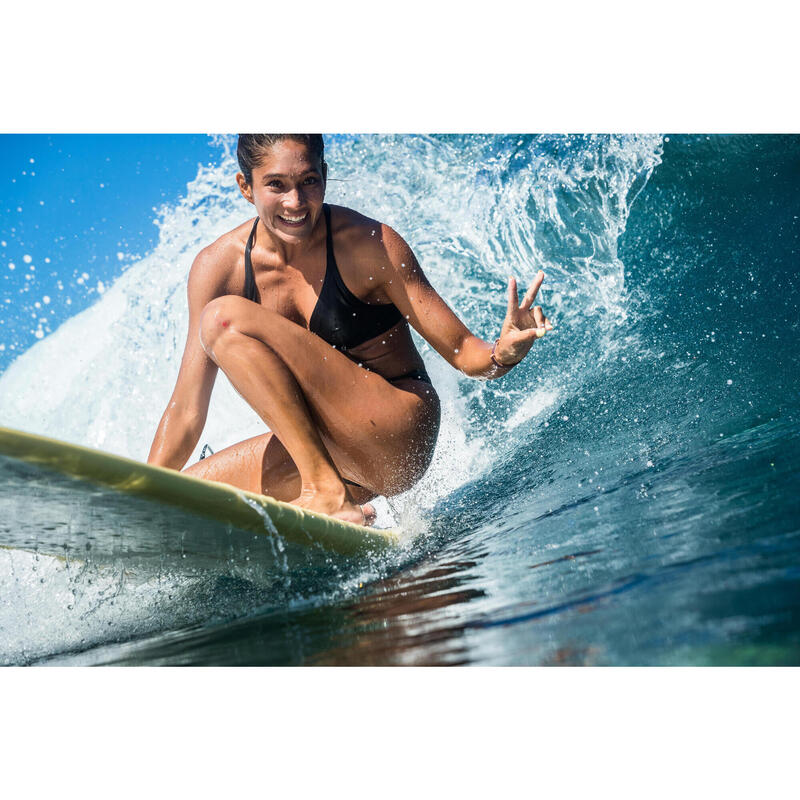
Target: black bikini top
339 317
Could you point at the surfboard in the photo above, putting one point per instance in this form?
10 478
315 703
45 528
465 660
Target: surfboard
71 502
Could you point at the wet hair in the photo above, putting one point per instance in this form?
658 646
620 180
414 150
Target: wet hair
252 148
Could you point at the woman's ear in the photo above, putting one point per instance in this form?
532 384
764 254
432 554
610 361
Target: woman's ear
244 187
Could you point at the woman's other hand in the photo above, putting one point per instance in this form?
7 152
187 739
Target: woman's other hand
523 325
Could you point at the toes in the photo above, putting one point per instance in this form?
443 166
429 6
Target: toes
370 515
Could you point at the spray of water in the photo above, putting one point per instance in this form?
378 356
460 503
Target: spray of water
475 209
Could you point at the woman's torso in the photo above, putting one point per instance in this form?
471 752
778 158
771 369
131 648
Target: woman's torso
335 294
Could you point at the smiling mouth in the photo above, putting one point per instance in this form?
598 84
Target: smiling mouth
293 222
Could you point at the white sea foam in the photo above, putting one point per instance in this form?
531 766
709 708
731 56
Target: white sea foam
534 406
51 606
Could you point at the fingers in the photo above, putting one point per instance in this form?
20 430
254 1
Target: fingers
530 295
532 334
540 322
513 301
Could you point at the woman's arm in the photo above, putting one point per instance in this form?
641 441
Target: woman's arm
185 416
434 320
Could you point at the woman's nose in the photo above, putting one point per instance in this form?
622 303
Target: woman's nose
295 198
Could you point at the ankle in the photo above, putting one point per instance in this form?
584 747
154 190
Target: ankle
326 485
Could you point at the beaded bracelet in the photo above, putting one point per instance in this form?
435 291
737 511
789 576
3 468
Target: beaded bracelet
496 362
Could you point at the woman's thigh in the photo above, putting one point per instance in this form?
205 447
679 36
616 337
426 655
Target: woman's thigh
379 435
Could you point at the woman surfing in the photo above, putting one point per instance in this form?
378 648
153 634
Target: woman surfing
306 309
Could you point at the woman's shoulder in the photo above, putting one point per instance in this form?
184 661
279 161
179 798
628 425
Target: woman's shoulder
230 246
360 234
348 221
220 258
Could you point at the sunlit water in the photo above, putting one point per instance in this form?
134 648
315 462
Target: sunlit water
629 495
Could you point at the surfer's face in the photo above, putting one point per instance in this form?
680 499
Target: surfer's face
287 190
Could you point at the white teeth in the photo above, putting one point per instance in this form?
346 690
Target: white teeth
293 219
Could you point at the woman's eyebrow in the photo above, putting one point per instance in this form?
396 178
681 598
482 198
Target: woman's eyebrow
282 175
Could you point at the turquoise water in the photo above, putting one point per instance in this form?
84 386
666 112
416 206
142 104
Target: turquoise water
627 496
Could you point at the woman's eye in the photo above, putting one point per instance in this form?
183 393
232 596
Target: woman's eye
310 180
274 184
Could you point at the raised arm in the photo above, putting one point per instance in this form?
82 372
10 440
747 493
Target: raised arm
435 321
185 415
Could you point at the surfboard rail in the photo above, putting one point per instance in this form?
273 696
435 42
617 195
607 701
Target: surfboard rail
218 501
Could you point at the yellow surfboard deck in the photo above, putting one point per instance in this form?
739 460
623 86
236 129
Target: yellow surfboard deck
52 491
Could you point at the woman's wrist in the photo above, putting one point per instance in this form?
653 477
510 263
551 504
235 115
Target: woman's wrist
496 361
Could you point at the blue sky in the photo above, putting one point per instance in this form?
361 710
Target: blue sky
70 204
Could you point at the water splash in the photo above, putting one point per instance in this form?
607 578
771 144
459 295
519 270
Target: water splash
474 208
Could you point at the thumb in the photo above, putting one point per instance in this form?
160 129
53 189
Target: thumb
532 334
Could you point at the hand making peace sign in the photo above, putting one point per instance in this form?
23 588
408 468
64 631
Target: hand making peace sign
523 324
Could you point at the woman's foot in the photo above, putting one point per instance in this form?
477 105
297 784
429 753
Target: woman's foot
369 513
336 503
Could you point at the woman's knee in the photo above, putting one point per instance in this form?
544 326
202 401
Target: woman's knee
220 317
